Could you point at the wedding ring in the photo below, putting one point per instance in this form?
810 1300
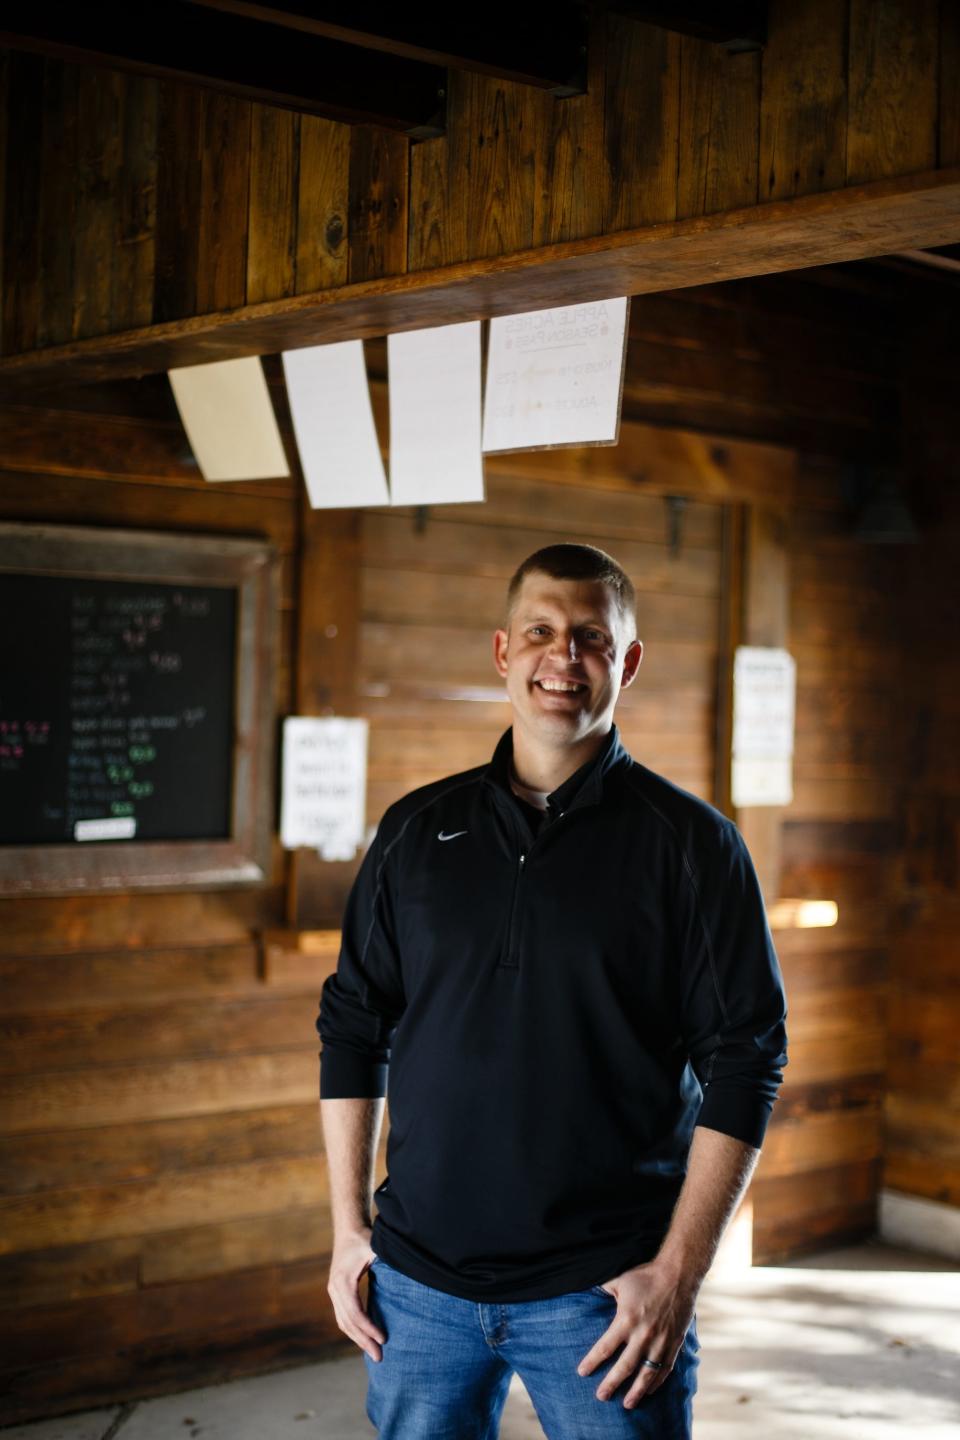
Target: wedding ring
654 1364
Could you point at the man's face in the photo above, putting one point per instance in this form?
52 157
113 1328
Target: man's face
565 658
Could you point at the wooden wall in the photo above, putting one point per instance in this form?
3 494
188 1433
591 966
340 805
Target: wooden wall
922 1101
163 1215
133 201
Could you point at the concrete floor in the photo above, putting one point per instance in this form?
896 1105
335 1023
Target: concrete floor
854 1344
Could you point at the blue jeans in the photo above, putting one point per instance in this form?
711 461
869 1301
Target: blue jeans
447 1364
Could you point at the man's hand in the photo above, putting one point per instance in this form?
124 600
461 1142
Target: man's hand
352 1257
654 1308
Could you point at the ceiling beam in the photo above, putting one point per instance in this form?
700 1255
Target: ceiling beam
912 211
240 55
541 43
735 24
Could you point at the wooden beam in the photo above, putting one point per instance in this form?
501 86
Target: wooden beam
240 55
542 44
737 24
912 211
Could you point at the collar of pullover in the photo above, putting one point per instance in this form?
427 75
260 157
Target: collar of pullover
583 787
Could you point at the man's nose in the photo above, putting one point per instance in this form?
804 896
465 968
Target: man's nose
565 644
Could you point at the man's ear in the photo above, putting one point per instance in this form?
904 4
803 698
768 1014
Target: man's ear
500 640
631 663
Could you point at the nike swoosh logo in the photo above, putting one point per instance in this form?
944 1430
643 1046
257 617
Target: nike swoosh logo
441 836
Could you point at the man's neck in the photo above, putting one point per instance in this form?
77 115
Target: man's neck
545 768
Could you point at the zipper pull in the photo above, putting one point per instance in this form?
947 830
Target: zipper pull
522 859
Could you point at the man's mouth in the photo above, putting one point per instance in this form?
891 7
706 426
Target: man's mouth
560 687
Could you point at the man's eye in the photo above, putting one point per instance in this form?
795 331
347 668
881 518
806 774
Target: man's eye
535 628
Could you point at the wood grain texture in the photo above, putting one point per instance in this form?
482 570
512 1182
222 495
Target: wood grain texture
803 107
719 128
21 220
224 202
58 169
323 199
642 124
893 75
913 210
179 188
100 109
134 249
948 148
273 212
377 216
490 163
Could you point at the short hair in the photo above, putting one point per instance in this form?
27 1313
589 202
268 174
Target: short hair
578 562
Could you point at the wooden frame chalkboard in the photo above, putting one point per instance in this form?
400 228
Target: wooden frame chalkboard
231 581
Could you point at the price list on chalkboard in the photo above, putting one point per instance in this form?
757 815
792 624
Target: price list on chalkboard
116 710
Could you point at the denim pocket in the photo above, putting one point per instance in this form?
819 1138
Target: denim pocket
599 1290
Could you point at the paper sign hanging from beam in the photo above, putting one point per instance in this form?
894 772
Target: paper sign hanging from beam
435 415
764 703
555 377
227 414
333 422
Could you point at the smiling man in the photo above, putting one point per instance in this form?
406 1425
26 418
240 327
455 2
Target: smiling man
562 961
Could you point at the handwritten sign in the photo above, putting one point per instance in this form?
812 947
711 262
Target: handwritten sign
554 377
324 785
764 700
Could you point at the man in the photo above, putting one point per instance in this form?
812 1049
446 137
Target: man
565 962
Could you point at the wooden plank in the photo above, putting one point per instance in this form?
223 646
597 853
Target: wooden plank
718 128
272 231
96 923
180 148
797 1102
826 966
839 1056
948 148
913 211
224 203
393 541
76 979
427 239
820 1141
377 215
101 1035
100 111
642 124
77 1217
796 1213
923 1175
21 219
158 1340
108 1155
134 248
66 1273
67 442
72 499
58 170
201 1251
893 71
121 1094
323 199
567 200
412 597
803 107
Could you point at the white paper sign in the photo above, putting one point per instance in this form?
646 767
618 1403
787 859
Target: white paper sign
554 377
434 397
333 422
228 416
324 785
764 702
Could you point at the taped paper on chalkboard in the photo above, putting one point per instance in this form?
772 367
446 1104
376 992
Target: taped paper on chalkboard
112 827
434 396
555 377
333 422
228 416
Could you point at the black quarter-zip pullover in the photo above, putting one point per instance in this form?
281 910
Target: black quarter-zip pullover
555 1011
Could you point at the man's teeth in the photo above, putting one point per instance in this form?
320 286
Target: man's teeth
559 685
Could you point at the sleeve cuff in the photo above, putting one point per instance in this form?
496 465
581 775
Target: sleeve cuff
737 1113
347 1075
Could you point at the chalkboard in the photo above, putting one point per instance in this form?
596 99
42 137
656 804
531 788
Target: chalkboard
134 737
116 711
